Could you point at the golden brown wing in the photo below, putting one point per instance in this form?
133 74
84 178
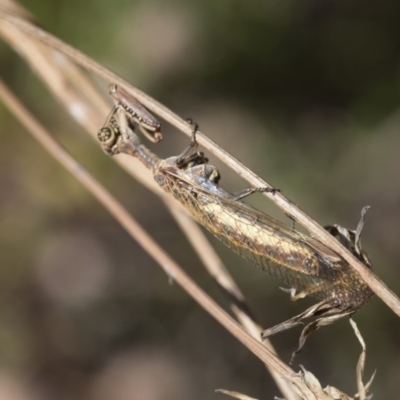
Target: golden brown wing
298 260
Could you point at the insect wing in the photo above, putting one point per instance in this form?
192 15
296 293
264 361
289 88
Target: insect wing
295 259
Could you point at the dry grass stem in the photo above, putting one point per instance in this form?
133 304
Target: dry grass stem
235 395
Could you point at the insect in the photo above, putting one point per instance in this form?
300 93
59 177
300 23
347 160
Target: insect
305 265
135 114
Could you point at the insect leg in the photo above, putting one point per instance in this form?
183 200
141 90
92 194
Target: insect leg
327 314
294 296
314 326
181 161
292 219
241 194
150 134
137 114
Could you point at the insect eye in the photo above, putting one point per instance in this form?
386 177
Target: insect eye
105 134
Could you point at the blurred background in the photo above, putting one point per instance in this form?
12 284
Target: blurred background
305 93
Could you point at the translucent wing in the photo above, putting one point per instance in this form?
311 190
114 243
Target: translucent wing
298 260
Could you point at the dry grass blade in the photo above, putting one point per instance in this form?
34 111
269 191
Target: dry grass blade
329 392
362 389
235 395
332 393
361 362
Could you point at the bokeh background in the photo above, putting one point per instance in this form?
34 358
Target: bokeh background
306 93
